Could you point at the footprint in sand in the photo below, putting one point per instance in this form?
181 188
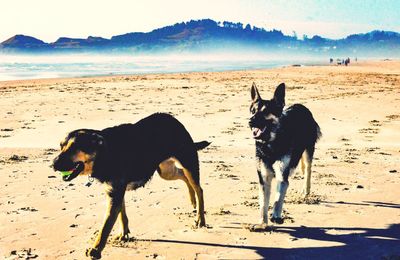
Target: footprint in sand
7 130
222 212
22 254
18 158
350 154
295 197
392 117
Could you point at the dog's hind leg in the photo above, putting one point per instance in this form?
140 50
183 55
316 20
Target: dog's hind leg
200 221
303 166
189 160
123 223
171 169
115 195
307 160
192 194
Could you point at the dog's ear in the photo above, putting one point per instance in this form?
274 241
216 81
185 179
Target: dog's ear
279 95
255 96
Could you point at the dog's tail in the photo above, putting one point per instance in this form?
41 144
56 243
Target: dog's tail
201 145
319 133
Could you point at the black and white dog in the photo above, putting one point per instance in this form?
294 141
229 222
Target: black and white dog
285 136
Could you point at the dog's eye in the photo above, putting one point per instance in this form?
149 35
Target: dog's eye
271 117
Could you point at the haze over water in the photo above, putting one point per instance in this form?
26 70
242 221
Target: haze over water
17 67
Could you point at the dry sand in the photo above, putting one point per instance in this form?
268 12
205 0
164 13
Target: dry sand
354 210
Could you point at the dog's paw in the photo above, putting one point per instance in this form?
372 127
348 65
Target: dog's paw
257 227
305 192
122 237
277 220
93 253
199 224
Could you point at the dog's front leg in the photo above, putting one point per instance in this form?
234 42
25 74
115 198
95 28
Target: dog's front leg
115 195
123 222
281 189
265 175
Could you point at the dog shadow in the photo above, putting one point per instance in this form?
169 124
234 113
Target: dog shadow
354 243
367 203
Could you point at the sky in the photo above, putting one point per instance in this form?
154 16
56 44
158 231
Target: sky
50 19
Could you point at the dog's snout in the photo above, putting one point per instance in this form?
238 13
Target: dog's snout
254 119
59 163
251 123
56 162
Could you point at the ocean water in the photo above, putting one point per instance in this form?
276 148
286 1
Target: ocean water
17 67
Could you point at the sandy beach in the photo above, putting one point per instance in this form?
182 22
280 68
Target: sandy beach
353 211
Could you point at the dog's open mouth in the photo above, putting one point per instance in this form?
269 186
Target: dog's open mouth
257 132
74 172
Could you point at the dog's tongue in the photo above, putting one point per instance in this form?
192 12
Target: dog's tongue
256 132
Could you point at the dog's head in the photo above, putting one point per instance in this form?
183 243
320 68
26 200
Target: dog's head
265 113
78 153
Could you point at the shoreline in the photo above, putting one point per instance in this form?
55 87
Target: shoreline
111 76
94 66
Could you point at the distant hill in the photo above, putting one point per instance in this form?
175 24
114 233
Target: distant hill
23 42
70 43
208 35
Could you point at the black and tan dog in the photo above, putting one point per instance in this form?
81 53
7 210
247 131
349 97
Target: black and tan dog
285 136
126 157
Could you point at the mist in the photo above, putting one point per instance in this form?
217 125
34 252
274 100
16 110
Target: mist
34 66
131 62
